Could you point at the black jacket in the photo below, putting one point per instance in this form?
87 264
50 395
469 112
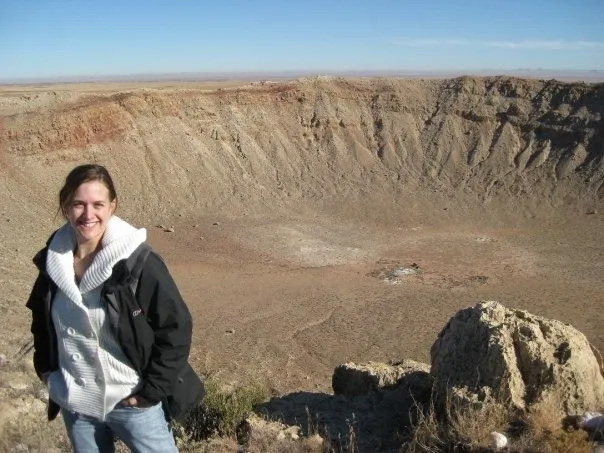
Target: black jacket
153 328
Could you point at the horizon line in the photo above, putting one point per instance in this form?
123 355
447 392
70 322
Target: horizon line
216 76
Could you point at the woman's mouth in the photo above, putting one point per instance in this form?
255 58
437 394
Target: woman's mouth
87 225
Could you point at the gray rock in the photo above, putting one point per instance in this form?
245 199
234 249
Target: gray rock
255 427
359 379
3 360
491 353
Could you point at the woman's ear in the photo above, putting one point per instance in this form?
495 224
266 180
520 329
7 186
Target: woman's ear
112 206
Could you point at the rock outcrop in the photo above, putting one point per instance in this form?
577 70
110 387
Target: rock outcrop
359 379
489 352
255 426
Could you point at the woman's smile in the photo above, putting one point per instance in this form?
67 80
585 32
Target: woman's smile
87 224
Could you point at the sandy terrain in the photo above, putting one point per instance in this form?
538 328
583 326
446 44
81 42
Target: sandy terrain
493 188
303 295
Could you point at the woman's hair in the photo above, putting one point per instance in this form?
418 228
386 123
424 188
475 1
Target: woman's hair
80 175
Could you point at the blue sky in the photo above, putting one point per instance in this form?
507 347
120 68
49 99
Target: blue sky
54 38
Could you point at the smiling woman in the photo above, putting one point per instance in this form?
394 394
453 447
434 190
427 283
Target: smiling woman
113 353
87 206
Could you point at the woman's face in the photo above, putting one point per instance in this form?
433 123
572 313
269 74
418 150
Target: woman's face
89 212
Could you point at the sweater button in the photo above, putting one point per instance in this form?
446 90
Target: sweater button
81 382
76 356
70 331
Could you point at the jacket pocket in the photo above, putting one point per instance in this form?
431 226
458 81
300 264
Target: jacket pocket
188 392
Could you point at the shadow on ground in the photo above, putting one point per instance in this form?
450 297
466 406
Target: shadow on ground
377 421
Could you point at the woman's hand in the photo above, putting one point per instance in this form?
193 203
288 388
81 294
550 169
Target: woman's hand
135 401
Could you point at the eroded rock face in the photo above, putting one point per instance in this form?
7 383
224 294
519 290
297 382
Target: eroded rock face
489 352
359 379
534 142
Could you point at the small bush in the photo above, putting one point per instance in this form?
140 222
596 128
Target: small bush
472 426
545 432
221 411
544 418
456 427
467 429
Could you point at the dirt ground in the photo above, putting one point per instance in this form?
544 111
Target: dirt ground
284 301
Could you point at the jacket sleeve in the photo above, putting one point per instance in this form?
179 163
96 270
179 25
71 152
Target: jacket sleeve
172 327
39 326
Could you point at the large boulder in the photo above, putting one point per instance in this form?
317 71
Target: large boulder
489 352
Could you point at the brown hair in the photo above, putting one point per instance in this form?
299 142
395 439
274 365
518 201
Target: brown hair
78 176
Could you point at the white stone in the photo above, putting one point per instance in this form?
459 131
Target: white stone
497 441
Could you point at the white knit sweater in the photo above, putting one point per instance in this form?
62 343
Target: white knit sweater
94 372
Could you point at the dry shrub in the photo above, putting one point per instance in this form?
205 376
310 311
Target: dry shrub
254 435
456 427
544 418
575 442
472 426
352 438
261 434
212 445
545 432
468 429
427 432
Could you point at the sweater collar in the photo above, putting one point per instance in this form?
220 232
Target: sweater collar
119 241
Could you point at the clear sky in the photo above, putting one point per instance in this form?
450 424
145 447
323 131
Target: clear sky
53 38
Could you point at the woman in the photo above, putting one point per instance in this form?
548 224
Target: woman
111 332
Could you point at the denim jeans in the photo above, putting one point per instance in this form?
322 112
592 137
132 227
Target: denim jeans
142 429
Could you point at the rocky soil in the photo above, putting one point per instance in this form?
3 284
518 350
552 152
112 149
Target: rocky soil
323 220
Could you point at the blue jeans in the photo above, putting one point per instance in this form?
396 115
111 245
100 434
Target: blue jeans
141 429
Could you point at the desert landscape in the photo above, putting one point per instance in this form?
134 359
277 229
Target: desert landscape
317 221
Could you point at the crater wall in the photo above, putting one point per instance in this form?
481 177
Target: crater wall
479 140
